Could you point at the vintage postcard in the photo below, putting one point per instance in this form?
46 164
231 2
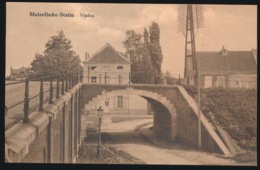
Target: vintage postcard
117 83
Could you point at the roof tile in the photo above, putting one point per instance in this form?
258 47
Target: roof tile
233 62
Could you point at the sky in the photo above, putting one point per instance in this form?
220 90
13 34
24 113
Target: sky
231 26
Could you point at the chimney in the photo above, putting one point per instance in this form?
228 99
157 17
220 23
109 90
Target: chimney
223 52
86 56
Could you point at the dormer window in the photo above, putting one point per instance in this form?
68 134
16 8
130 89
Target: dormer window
119 67
93 68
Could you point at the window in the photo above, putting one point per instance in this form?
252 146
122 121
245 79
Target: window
238 82
107 103
93 68
93 79
119 67
208 81
220 81
120 102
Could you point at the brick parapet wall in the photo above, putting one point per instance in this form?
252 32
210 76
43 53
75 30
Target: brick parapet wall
28 142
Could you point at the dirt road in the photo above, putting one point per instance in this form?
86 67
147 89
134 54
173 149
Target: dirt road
124 136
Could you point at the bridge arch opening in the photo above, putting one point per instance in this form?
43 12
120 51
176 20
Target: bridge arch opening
164 112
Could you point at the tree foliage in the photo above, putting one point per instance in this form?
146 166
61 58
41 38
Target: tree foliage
133 45
145 55
170 79
58 58
155 50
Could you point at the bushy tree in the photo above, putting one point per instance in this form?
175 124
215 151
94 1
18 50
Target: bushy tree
137 47
146 56
169 78
58 58
133 45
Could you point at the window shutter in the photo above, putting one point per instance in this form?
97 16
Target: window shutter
115 102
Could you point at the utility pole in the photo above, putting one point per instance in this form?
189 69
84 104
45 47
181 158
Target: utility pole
190 18
199 122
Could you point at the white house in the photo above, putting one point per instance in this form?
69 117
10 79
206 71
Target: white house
110 66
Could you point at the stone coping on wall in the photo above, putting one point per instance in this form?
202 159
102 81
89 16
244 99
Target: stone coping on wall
21 135
133 85
191 102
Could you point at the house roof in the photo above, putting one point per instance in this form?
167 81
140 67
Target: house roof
20 72
212 62
232 62
107 54
15 71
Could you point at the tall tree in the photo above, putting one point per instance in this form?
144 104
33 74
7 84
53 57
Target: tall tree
148 69
146 36
58 58
156 51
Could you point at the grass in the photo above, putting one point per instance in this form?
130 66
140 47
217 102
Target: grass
235 109
110 155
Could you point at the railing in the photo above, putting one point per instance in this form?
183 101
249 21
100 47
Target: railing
63 83
125 77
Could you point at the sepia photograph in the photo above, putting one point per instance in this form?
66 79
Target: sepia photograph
126 83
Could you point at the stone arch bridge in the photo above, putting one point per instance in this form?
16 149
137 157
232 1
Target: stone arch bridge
54 134
175 112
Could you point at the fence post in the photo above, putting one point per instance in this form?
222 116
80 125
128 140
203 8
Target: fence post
69 80
51 91
66 88
78 76
129 78
41 96
105 77
81 76
26 102
50 140
73 80
62 84
58 88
